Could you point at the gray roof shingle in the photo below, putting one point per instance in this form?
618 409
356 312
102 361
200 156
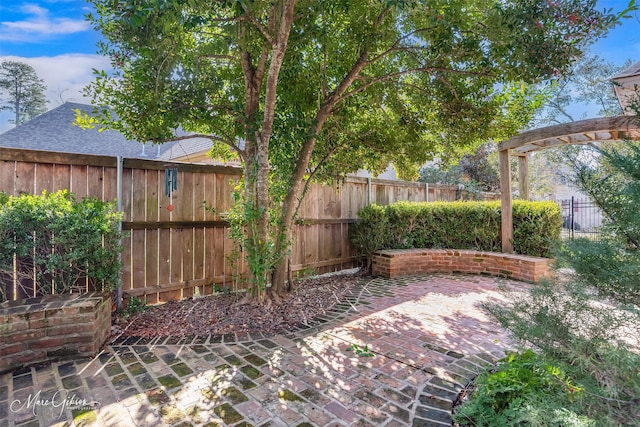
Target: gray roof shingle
54 131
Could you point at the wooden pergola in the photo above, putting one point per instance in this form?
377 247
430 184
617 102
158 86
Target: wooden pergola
582 132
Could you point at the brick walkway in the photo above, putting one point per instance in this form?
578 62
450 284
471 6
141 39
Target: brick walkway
395 354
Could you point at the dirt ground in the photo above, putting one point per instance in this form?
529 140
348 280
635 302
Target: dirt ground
234 313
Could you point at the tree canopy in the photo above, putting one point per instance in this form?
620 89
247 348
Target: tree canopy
313 88
587 83
23 91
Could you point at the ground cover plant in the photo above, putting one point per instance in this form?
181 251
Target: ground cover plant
584 326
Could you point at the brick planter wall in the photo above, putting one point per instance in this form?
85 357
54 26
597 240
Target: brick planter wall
404 262
53 327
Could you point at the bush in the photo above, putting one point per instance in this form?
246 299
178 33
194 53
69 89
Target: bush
370 233
456 225
58 242
536 227
585 321
524 389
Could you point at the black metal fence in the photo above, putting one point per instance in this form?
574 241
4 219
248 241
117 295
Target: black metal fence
580 218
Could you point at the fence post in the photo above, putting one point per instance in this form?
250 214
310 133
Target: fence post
571 215
426 191
368 191
119 183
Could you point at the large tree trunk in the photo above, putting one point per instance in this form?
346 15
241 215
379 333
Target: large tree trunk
294 196
257 148
291 202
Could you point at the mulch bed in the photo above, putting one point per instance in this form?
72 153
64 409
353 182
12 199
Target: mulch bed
234 313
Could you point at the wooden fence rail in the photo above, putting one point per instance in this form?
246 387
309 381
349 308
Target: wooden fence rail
174 247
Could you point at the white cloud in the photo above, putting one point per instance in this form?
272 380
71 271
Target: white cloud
39 24
65 76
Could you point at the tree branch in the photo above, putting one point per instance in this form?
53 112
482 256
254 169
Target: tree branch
214 56
257 24
394 47
391 76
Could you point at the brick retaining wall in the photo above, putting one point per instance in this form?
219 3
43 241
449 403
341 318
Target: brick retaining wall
404 262
53 327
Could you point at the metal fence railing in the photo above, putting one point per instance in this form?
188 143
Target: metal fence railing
580 218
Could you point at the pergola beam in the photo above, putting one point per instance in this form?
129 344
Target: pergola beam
597 127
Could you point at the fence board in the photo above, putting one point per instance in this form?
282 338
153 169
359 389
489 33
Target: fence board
44 178
62 177
187 254
95 178
127 193
25 174
198 196
176 255
199 253
164 256
187 200
7 176
138 259
151 258
209 198
79 177
164 200
151 205
110 184
126 263
138 196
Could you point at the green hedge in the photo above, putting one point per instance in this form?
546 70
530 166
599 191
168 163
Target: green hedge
456 225
58 241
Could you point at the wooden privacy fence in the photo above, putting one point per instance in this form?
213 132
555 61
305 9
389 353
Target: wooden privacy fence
174 247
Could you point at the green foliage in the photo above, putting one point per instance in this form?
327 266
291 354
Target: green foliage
370 233
134 306
587 321
587 83
260 255
60 241
313 89
23 90
585 336
524 389
456 225
536 227
474 170
361 351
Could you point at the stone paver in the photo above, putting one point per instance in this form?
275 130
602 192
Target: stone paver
396 353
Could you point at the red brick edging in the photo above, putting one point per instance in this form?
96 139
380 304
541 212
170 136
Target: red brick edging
53 327
404 262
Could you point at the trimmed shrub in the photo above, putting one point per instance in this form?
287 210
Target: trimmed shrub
456 225
58 244
371 232
536 227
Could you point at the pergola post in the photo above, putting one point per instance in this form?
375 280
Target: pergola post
523 176
506 229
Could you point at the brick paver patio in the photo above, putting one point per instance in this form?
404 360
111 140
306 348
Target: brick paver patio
396 353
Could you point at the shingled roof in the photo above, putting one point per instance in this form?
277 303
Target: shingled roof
633 70
54 131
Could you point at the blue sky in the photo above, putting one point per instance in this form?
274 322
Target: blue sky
53 37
